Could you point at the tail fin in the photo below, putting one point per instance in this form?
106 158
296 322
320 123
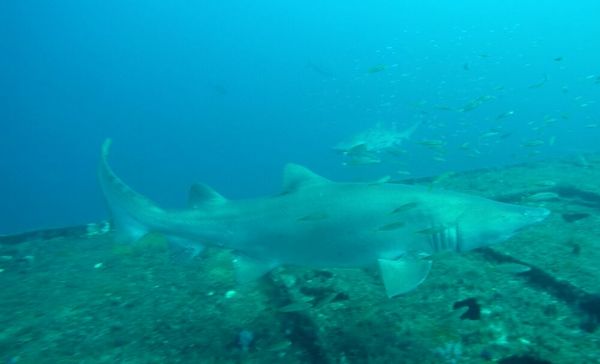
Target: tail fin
131 212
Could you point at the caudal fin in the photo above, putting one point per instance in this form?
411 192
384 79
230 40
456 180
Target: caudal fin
131 212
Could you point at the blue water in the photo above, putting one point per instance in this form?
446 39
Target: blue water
227 92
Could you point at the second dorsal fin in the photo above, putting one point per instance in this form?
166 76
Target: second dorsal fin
201 195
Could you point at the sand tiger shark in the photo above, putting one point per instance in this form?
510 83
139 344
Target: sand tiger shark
369 146
315 222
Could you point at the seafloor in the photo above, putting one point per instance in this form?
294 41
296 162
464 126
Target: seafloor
74 296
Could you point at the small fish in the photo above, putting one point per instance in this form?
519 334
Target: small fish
542 196
442 177
433 143
376 69
391 226
490 134
546 183
432 230
407 206
319 70
382 180
362 161
475 103
314 217
504 115
539 84
558 59
219 89
470 106
596 78
296 307
280 346
582 161
474 153
326 300
533 143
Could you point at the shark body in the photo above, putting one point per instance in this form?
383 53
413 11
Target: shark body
369 146
315 222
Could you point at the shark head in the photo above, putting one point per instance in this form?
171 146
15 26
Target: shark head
494 222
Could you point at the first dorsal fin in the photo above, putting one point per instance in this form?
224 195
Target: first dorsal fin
296 176
201 195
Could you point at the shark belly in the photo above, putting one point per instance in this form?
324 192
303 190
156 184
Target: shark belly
328 231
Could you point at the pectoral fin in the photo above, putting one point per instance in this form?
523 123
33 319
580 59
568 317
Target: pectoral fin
403 275
248 269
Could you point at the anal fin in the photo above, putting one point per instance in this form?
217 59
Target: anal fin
249 269
403 275
191 247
